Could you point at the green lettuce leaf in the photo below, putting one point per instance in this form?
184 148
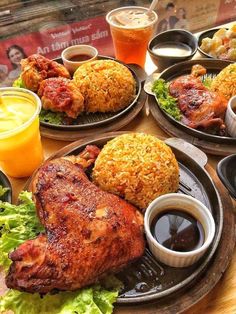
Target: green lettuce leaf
19 83
3 190
51 117
92 300
165 100
19 223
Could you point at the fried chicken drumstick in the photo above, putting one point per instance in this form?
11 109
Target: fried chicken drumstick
88 232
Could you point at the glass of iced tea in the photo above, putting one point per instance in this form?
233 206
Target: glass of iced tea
20 143
131 29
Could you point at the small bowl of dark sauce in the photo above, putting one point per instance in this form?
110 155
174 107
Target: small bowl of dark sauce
172 46
179 229
76 55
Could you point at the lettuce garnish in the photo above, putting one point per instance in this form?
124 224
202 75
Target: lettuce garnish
19 83
51 117
3 191
19 223
167 103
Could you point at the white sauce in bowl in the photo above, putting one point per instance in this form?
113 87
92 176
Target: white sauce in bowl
172 49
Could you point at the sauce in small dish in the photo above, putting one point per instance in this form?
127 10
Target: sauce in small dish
172 49
80 57
177 230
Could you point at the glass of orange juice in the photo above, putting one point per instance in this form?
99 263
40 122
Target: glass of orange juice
20 143
131 29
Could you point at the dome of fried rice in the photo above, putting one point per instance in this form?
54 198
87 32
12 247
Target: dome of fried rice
225 81
107 86
138 167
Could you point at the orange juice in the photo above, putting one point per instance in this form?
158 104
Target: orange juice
20 143
131 30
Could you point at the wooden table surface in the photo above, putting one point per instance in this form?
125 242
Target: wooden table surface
221 300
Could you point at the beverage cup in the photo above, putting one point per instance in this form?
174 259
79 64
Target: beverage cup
20 143
131 35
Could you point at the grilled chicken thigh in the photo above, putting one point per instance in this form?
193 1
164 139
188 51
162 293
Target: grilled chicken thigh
88 232
201 108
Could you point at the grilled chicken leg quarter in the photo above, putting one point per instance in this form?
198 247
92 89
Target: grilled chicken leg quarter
88 232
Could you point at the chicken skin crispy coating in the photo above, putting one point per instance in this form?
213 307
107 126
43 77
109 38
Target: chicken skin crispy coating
61 95
37 68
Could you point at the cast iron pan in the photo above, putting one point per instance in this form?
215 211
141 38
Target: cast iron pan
147 279
4 181
213 68
88 120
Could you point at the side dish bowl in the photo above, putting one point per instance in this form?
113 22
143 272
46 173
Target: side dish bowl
71 52
174 38
190 206
230 117
226 171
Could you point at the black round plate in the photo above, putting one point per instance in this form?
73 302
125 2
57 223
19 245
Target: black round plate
4 181
209 33
161 280
213 68
88 120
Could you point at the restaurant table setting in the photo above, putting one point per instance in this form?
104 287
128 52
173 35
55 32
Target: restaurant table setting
119 150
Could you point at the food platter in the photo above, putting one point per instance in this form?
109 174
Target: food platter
163 281
95 123
208 142
5 183
88 120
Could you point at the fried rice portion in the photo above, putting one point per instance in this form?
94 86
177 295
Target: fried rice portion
138 167
225 81
107 86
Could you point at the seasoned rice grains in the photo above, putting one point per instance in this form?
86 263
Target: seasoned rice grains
138 167
106 85
225 81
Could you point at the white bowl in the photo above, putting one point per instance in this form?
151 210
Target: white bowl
184 203
230 117
71 51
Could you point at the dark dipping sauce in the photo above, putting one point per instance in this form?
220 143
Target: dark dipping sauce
177 230
80 57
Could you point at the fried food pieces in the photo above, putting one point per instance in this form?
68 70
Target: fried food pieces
37 68
61 95
88 232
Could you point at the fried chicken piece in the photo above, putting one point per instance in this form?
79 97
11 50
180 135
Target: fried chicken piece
88 232
201 108
61 95
37 68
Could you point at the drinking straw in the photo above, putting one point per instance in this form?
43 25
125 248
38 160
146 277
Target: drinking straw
152 6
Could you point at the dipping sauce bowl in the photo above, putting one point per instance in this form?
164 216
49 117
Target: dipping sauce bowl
74 56
180 232
230 117
172 46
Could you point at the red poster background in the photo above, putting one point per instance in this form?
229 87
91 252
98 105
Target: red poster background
227 11
52 41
